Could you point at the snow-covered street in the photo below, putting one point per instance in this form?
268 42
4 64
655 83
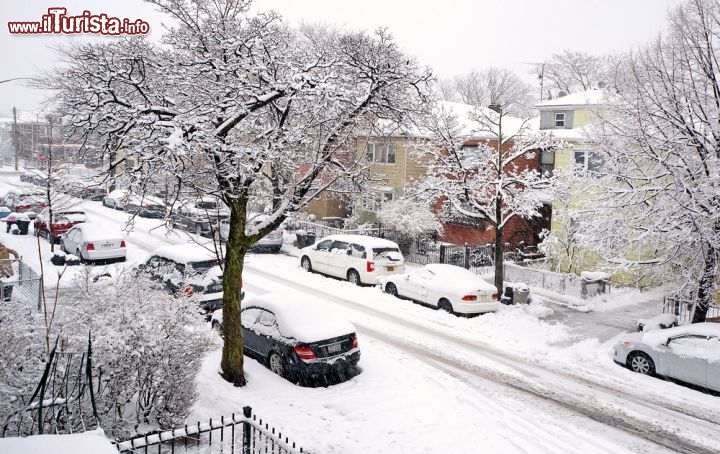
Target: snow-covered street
535 377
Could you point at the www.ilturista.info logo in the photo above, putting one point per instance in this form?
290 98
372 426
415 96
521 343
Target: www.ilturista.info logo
56 21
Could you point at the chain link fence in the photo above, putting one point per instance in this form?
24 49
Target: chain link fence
23 287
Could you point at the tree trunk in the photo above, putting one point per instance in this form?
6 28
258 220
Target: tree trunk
236 247
707 285
499 259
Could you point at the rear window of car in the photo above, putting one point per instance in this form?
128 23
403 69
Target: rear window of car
206 205
380 251
201 267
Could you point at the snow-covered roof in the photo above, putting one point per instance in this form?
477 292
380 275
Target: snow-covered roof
453 275
185 253
655 338
470 128
301 319
92 442
367 241
592 97
92 231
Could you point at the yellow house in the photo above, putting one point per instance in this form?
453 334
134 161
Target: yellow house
568 117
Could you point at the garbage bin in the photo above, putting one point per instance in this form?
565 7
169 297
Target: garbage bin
515 293
23 226
304 238
521 292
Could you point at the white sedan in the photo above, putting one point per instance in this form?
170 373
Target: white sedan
447 287
94 242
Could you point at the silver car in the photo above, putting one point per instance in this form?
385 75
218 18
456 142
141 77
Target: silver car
689 353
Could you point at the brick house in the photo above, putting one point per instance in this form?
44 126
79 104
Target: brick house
395 168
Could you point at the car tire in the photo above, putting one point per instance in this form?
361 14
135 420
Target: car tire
276 364
306 264
641 363
391 289
444 305
216 327
353 277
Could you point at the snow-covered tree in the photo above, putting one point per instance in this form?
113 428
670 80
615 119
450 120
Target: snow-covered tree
572 71
657 198
408 219
230 103
488 182
494 85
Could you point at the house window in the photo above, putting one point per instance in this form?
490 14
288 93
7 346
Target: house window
547 162
559 119
374 199
383 152
589 160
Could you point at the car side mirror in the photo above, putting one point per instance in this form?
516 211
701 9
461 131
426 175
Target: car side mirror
349 252
141 266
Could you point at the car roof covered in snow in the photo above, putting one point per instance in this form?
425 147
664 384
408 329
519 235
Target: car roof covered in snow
185 253
92 231
369 241
299 318
658 337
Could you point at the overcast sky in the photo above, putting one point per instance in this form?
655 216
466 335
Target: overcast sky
452 36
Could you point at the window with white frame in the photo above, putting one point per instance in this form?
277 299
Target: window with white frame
588 160
380 152
559 119
547 162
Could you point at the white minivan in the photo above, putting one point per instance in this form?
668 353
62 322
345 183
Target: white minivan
357 258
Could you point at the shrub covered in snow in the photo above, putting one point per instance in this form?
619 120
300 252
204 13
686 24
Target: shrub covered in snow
147 348
409 220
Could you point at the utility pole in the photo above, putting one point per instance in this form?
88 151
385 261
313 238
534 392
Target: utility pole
15 137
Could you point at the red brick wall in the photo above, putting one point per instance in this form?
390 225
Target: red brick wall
515 231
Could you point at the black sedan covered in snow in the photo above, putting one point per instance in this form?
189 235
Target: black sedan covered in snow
296 340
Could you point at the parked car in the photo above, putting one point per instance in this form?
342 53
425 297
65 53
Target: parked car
188 269
145 207
30 202
448 287
63 220
91 242
95 193
689 353
357 258
296 339
272 242
116 199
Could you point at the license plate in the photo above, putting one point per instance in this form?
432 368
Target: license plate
391 268
333 348
107 245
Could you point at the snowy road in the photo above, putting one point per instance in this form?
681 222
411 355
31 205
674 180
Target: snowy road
644 416
516 381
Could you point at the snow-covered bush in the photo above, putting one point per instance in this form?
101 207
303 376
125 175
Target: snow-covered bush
409 220
147 348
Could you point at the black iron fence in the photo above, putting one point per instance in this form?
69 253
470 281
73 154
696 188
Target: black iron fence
63 401
242 434
683 308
